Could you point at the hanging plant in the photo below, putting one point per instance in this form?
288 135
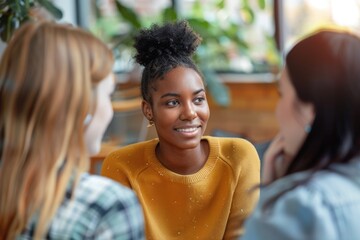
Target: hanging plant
13 13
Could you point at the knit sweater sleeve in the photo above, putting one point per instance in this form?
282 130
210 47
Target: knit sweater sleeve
124 164
109 169
246 192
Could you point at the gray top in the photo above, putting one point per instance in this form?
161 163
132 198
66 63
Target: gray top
325 207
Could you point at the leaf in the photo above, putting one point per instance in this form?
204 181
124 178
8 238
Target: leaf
3 6
15 8
128 14
202 27
247 14
3 27
169 14
56 12
11 24
262 4
221 4
218 91
245 3
27 4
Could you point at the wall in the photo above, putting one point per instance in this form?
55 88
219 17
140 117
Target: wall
251 112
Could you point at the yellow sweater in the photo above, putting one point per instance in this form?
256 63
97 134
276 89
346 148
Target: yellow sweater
210 204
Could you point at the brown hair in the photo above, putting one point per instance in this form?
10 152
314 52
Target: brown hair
323 68
47 74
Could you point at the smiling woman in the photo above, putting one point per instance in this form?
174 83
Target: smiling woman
191 186
183 101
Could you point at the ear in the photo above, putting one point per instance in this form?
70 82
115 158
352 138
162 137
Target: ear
146 109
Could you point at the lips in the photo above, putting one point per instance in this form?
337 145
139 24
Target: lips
187 129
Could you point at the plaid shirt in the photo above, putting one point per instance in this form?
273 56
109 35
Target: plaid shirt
100 209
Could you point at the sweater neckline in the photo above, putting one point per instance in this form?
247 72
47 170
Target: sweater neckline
154 162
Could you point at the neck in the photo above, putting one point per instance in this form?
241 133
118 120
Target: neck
184 161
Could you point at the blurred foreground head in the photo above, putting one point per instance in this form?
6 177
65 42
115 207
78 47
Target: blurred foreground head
323 68
48 79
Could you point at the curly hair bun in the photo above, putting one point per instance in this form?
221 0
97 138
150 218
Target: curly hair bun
170 40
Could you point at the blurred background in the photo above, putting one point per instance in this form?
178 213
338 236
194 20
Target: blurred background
240 56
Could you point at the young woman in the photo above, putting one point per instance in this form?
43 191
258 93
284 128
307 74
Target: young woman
311 169
190 186
55 86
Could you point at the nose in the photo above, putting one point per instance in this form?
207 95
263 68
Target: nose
188 112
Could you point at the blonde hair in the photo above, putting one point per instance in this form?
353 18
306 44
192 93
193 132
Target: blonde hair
47 75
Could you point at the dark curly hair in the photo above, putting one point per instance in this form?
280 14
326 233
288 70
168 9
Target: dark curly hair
163 48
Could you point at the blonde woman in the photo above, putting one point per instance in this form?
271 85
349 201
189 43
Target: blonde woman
55 86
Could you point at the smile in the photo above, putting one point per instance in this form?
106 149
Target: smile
187 130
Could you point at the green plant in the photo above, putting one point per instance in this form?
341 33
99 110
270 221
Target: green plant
219 38
13 13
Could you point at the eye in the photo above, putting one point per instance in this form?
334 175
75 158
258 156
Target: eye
172 103
199 100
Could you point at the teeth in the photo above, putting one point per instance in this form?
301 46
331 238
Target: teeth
186 129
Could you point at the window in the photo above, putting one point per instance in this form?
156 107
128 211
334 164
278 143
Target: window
300 17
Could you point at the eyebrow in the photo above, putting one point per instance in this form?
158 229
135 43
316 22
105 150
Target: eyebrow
177 95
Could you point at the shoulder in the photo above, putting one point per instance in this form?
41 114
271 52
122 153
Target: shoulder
297 214
331 186
129 160
230 144
103 191
235 151
325 189
314 210
98 207
336 186
110 210
133 154
132 149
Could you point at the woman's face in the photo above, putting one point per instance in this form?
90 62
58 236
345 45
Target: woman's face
180 110
293 116
102 115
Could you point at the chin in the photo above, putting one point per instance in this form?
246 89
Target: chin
191 144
